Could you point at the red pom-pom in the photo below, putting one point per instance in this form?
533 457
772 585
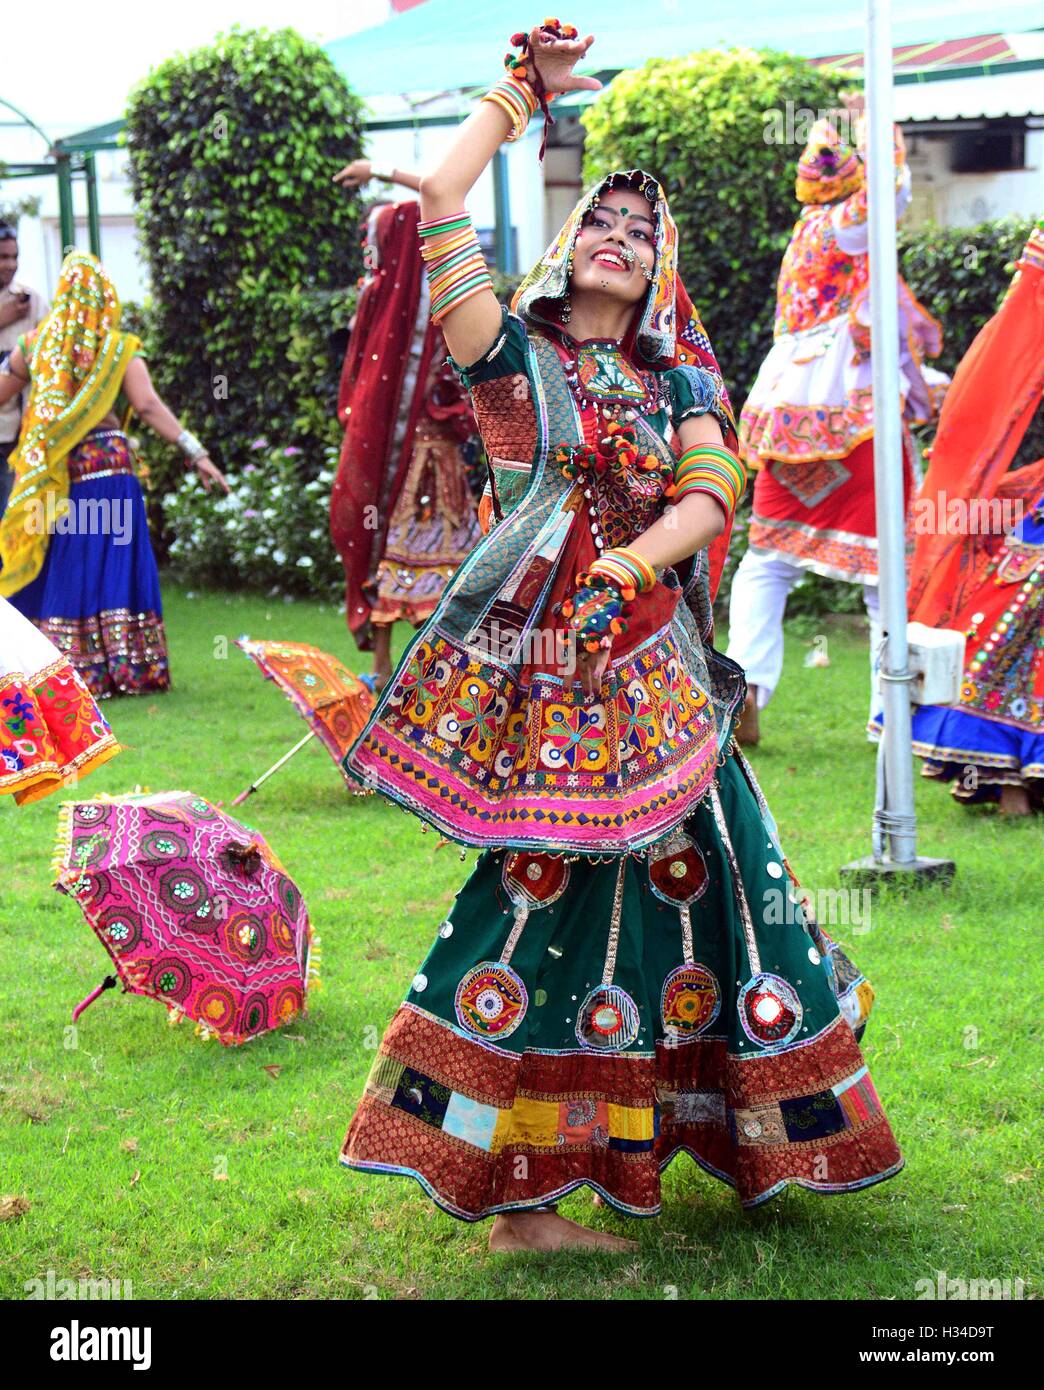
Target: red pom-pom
517 39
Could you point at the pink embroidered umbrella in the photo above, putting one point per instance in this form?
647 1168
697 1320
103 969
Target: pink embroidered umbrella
193 907
333 702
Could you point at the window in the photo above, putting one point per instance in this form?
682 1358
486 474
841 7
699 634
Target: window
988 151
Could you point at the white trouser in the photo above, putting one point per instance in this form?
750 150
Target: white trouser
756 607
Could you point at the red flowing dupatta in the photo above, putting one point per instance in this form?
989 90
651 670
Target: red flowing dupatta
988 408
371 403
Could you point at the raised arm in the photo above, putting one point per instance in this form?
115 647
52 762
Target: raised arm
850 217
461 290
361 171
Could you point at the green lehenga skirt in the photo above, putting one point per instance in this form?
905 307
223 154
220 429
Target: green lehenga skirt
581 1022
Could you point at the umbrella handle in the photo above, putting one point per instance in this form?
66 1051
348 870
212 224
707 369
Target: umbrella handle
110 982
275 767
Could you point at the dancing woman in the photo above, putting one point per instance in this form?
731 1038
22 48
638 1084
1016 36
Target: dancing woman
402 514
989 583
807 426
626 974
74 541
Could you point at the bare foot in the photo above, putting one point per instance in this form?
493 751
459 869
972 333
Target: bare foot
748 730
546 1230
1014 801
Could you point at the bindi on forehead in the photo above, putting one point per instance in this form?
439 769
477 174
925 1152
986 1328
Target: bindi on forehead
636 213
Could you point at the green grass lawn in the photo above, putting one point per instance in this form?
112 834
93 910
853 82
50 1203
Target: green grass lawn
194 1172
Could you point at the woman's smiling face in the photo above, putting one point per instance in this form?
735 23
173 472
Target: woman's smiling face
615 245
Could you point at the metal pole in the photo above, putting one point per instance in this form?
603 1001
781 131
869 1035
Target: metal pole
897 815
502 205
93 220
66 219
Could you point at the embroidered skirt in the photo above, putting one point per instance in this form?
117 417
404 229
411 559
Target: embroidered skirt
97 596
433 528
51 731
579 1022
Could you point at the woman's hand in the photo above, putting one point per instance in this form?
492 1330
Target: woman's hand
555 60
590 667
354 175
210 474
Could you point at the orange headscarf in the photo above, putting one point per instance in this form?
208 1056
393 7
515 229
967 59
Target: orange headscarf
991 401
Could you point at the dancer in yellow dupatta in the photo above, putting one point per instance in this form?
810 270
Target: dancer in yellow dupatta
74 543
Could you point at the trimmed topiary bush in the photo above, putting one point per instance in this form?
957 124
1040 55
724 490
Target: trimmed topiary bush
252 251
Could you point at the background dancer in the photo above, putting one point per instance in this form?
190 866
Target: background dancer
74 541
807 426
989 583
402 513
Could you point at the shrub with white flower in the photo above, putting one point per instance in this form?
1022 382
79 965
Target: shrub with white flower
271 532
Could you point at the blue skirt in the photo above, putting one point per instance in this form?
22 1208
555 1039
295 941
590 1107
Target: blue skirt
97 596
977 754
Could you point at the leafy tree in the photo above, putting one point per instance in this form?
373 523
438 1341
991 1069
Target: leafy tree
250 246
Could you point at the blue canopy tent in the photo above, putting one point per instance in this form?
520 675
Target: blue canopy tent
430 49
443 45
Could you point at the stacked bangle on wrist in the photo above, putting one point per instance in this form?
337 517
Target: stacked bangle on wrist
626 569
711 469
456 267
517 100
521 91
385 175
190 446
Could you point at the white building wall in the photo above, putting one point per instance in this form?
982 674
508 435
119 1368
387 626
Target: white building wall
962 200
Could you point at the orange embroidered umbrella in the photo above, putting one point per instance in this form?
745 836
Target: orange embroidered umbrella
331 700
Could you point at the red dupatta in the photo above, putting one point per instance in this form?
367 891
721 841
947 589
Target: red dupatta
987 410
371 403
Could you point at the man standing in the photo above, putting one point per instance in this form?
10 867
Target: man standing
807 427
21 309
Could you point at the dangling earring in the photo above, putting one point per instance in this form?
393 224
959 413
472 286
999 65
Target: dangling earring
567 307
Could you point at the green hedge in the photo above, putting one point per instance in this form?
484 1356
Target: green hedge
252 251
